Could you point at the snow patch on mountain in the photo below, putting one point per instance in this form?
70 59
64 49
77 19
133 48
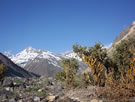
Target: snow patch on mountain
52 58
8 54
25 56
71 54
48 55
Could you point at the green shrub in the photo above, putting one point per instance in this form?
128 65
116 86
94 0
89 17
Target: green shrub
70 67
60 76
3 71
97 59
19 81
123 54
40 94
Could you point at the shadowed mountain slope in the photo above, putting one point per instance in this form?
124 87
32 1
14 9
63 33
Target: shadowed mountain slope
13 69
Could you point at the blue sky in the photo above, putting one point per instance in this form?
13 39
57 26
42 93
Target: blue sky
56 25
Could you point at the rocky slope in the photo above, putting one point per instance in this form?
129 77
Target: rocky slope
13 69
127 32
43 62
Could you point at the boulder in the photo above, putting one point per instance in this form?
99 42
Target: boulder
50 98
7 82
12 100
36 99
96 100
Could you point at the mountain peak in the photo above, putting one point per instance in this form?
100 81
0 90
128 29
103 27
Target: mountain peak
30 49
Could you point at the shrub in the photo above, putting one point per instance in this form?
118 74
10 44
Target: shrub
3 71
123 54
40 94
97 59
70 67
60 76
124 87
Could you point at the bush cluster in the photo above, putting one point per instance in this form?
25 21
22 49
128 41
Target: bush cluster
115 73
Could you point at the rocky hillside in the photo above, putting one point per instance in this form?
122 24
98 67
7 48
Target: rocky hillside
13 69
129 31
43 62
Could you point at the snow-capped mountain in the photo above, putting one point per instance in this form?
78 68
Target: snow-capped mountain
27 55
71 54
42 62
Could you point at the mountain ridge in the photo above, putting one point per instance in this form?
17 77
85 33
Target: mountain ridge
128 31
29 53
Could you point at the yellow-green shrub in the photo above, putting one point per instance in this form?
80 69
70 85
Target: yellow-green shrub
3 70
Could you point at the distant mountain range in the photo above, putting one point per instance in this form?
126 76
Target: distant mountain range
43 62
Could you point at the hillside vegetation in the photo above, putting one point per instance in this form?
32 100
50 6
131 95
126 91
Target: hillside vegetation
115 75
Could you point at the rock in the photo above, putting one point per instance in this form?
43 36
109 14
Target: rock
9 89
12 100
22 87
50 78
20 96
5 92
58 88
37 99
60 94
8 82
96 100
19 101
40 90
50 98
66 99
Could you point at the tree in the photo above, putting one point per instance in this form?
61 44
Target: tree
70 68
123 54
96 58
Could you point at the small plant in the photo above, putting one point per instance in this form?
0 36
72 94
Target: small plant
18 81
60 76
40 94
33 88
79 81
